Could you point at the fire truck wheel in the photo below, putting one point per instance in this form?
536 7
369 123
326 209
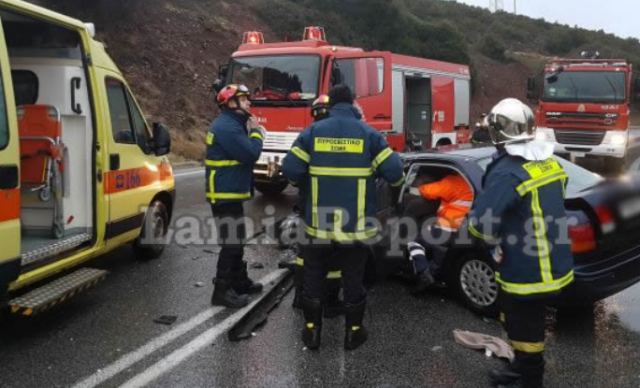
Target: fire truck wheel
151 242
269 188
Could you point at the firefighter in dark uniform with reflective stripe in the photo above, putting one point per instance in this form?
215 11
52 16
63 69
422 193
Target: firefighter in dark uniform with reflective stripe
333 305
234 143
521 212
340 157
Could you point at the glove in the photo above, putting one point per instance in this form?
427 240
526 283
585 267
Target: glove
497 254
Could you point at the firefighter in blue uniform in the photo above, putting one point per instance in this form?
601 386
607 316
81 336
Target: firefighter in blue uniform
234 143
333 306
521 213
339 156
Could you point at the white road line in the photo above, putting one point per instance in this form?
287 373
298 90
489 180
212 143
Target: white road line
177 357
129 359
188 173
157 343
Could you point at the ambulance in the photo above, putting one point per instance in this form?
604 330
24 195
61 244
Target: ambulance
81 171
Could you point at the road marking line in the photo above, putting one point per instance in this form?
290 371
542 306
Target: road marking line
188 173
157 343
178 356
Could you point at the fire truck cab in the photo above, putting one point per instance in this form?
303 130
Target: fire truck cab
81 171
583 107
416 103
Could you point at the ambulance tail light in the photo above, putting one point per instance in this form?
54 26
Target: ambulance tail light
314 33
583 238
253 37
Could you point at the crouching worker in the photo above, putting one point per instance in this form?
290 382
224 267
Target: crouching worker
456 197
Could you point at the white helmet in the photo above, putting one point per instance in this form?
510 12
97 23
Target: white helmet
511 121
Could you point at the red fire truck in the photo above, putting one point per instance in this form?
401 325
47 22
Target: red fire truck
583 107
417 103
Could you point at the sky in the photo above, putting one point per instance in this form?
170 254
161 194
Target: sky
619 17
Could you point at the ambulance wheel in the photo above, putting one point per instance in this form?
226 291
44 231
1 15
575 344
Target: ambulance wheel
152 240
474 278
271 188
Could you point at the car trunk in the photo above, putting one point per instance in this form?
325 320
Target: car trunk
612 208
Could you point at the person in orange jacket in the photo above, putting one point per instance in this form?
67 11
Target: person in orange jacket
456 197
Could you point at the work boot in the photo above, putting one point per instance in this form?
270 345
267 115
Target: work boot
504 377
355 332
333 306
297 284
243 284
225 295
312 310
424 280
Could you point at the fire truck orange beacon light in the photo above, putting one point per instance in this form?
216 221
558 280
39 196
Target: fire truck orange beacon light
314 33
253 37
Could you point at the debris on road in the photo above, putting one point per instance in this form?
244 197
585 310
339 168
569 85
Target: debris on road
166 319
199 284
257 265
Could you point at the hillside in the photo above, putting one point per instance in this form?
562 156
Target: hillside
170 50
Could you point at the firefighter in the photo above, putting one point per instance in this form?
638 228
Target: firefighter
521 213
339 157
333 305
455 196
234 143
481 132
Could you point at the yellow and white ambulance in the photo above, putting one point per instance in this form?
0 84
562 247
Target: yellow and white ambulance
81 171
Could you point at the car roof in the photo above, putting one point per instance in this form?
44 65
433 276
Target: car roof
453 152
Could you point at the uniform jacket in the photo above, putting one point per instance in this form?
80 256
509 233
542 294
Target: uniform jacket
522 208
337 160
455 198
231 153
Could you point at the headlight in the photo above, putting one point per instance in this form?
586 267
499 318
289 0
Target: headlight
618 139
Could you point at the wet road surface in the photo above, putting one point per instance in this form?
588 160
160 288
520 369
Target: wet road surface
107 336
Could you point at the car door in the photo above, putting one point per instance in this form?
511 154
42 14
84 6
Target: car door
9 175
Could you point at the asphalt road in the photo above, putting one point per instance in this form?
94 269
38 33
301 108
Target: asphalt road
107 336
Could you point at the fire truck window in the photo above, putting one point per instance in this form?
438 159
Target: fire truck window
4 125
277 78
365 76
25 87
119 112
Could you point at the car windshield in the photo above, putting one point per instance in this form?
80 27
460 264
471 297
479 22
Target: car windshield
585 86
277 78
580 179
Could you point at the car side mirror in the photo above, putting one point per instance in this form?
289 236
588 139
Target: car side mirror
161 139
532 89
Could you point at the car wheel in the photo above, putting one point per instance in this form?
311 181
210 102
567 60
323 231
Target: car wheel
271 188
151 242
475 279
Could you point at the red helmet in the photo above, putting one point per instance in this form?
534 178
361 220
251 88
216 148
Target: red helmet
320 107
230 92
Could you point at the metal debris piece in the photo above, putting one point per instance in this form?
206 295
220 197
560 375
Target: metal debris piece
199 284
166 319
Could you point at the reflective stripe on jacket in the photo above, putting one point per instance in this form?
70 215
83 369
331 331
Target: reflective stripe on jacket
337 159
455 198
231 154
522 209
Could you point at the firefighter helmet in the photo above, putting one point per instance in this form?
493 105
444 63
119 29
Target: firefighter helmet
231 92
511 121
320 107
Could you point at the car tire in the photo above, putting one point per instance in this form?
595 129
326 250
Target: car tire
157 220
475 282
271 188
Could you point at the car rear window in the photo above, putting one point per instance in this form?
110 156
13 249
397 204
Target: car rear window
580 178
